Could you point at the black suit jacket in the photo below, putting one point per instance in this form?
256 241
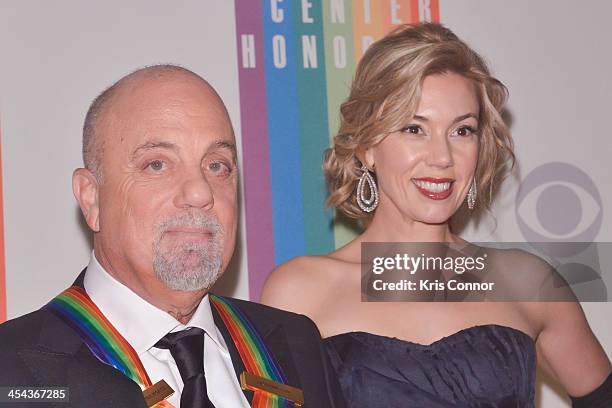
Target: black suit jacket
40 350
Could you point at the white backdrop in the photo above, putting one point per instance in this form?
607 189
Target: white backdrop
55 57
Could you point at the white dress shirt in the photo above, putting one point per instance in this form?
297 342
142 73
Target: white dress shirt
143 325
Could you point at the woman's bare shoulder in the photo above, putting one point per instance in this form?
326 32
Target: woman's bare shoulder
301 282
305 268
539 290
523 266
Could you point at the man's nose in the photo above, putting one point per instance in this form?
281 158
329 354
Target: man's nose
195 191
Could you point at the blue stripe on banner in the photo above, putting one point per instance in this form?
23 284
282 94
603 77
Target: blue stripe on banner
314 133
283 130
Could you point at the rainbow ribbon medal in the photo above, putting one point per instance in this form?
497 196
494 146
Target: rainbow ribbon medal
263 375
79 312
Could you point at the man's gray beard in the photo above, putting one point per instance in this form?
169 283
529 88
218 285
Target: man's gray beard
175 267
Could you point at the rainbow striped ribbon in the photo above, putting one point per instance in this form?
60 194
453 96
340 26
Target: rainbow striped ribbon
255 355
79 312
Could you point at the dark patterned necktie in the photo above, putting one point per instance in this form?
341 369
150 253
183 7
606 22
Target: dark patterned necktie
187 349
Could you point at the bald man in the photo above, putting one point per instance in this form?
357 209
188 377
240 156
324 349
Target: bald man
139 327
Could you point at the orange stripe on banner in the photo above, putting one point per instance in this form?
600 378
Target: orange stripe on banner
2 264
398 12
367 25
373 19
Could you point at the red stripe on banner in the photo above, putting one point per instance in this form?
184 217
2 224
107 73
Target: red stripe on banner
435 11
2 264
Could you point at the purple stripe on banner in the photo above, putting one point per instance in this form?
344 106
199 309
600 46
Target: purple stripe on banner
255 146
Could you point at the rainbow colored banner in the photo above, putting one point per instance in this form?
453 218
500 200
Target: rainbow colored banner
296 59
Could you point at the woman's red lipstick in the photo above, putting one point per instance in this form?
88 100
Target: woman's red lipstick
434 188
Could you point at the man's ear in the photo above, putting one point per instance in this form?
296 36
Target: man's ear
85 189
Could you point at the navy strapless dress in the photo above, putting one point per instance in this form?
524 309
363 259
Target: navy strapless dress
482 366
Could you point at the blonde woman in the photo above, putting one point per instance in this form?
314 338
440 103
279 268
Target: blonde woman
423 121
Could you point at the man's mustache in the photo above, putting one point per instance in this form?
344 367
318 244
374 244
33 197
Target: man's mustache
190 220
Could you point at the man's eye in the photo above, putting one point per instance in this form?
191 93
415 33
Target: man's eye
413 129
156 165
219 167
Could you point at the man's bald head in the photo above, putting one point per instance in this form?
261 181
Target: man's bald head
93 137
165 215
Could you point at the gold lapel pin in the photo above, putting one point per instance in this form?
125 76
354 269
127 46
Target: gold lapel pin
253 382
157 392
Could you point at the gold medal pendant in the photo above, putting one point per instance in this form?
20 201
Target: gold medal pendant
156 394
253 382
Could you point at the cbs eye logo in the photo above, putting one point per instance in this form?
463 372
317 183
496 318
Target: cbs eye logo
559 211
558 202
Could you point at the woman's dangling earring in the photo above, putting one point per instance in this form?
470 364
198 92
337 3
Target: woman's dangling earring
471 195
367 204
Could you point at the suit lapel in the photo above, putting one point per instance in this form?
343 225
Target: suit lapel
278 344
61 359
273 335
79 280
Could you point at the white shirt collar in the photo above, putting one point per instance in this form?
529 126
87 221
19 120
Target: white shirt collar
138 321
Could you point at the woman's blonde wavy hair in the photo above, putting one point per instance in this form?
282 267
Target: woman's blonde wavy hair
385 93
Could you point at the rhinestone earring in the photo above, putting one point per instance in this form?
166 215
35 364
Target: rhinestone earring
471 195
367 204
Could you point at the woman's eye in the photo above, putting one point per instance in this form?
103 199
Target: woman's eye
156 165
465 131
412 129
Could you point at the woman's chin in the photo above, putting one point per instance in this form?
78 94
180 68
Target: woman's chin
435 219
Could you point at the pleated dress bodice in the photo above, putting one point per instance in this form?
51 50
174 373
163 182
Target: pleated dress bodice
481 366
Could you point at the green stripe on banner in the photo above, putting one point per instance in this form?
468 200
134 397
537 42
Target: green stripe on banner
339 58
314 133
339 69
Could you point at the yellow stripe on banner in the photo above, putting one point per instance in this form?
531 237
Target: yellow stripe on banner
2 264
